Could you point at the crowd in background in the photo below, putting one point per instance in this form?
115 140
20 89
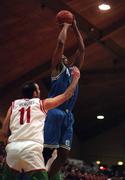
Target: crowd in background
71 171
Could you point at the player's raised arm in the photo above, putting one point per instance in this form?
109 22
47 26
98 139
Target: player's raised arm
78 58
56 101
57 55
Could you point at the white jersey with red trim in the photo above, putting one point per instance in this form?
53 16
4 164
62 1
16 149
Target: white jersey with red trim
27 120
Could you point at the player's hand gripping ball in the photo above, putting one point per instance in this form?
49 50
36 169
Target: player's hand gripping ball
64 16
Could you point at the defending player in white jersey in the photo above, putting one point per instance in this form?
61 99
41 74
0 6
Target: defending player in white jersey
23 125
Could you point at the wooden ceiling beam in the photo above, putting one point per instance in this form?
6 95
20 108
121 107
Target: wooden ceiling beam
92 31
114 48
35 75
114 26
56 6
94 35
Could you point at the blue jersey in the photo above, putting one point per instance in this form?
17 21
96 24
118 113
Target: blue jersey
58 130
60 84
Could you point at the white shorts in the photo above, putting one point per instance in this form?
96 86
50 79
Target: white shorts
26 155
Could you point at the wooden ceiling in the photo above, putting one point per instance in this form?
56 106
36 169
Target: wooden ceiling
28 33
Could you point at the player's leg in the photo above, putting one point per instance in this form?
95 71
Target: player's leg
47 154
62 156
52 132
50 162
65 145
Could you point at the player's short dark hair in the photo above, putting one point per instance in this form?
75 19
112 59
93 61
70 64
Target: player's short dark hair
28 89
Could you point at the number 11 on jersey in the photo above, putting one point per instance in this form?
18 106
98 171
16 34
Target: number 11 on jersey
24 111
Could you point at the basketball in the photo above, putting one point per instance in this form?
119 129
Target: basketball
64 16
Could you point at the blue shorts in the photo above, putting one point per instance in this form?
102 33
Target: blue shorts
58 130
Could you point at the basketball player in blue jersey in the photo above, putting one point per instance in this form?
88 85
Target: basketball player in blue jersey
58 130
